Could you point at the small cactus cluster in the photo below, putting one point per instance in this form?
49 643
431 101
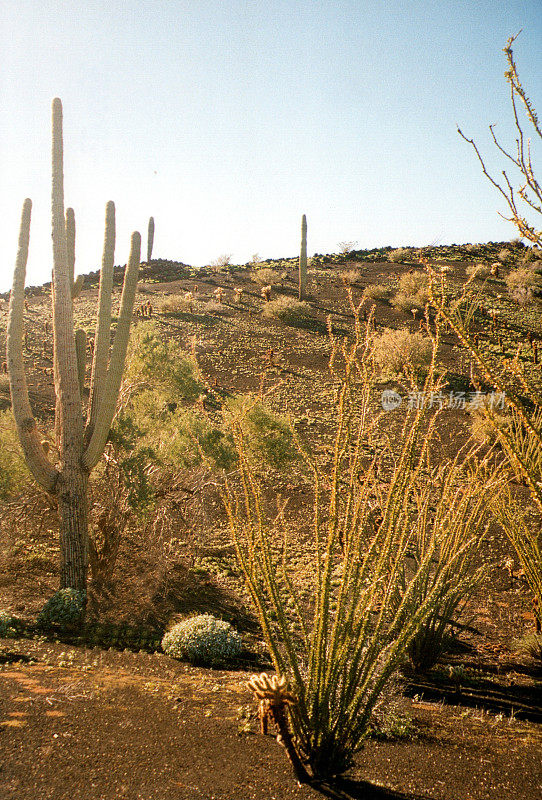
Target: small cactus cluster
64 609
203 639
144 310
274 697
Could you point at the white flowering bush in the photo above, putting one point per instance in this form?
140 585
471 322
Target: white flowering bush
203 640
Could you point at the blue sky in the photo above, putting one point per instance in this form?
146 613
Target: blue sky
228 120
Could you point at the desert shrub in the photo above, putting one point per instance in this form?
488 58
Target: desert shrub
268 436
479 271
190 437
337 653
351 276
399 256
220 263
473 248
266 277
531 644
376 291
161 365
504 255
521 284
202 640
175 304
14 475
215 307
485 429
287 309
399 352
64 609
346 247
413 291
7 629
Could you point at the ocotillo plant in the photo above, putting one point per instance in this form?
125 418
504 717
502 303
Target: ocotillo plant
150 238
303 259
79 444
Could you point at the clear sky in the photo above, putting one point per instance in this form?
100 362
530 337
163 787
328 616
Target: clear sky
227 120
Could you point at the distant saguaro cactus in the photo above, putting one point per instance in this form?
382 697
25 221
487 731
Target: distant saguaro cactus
150 239
303 259
80 445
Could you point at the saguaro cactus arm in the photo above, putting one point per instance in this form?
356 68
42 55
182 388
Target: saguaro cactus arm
76 283
36 459
81 351
103 322
303 258
108 404
66 379
150 238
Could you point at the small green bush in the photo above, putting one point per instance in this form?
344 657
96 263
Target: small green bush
162 365
268 436
202 640
7 629
64 609
191 434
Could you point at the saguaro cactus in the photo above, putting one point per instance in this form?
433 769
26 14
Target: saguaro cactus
303 259
80 444
150 238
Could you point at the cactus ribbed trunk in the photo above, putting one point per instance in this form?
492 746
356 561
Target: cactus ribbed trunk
72 494
79 446
303 259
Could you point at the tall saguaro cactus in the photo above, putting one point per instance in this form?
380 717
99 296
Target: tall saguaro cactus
150 238
80 444
303 259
